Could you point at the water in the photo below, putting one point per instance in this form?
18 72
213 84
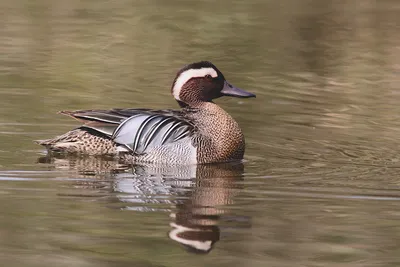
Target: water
319 185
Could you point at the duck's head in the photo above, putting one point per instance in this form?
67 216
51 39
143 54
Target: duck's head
202 82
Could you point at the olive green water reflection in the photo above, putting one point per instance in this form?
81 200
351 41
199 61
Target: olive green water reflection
320 183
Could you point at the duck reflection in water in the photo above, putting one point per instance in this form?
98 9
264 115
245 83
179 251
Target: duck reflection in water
197 193
196 219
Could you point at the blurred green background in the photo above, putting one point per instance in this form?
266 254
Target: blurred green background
320 183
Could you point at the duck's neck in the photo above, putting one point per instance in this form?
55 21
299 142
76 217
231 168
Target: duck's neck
224 132
182 104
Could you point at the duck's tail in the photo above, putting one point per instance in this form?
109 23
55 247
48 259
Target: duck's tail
80 141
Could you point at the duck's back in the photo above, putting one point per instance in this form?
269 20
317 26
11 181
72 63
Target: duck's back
193 135
141 135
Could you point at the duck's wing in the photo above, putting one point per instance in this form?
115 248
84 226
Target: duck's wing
102 121
138 130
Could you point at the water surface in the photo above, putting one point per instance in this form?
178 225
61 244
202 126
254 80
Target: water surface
319 185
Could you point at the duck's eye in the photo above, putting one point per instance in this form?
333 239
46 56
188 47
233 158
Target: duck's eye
208 76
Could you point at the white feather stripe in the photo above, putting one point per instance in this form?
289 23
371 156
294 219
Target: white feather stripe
140 130
127 130
185 76
168 133
155 128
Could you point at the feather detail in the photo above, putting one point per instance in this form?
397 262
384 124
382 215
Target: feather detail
136 131
102 127
142 132
95 115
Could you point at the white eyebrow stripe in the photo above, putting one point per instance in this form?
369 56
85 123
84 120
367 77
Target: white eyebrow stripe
189 74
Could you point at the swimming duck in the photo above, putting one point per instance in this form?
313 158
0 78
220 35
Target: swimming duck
200 132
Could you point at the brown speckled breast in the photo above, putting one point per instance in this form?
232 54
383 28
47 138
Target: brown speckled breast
219 136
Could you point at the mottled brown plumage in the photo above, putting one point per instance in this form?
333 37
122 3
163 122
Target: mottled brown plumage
201 132
220 137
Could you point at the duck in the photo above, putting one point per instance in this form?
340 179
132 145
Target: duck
200 132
